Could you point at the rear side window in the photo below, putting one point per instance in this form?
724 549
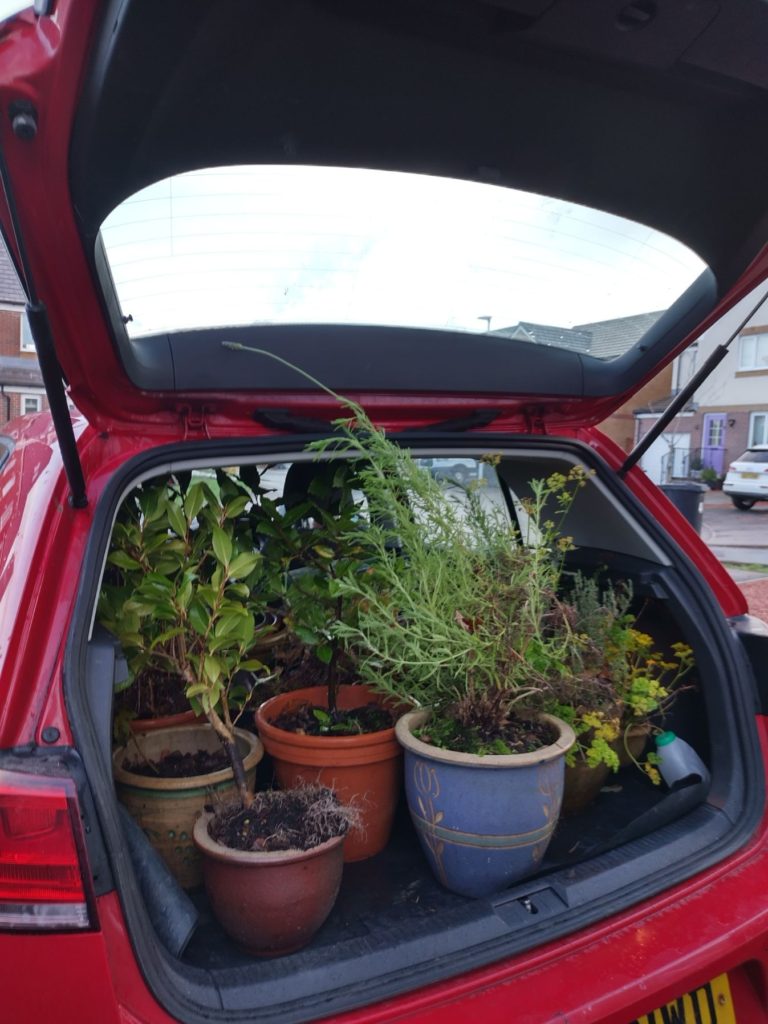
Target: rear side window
752 456
5 451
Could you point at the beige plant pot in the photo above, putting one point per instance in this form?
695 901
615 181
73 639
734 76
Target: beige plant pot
166 809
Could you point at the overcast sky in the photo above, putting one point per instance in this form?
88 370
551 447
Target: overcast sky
328 245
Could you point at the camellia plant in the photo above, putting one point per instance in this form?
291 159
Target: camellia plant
187 594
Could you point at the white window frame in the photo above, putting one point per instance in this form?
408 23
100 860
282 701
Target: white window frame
756 435
25 397
752 362
26 341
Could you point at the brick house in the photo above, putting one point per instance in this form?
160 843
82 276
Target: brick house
604 339
728 413
21 384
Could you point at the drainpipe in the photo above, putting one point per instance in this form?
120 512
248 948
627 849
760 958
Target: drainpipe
7 403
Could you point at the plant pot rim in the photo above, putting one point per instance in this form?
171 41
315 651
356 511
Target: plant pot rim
274 732
413 719
220 852
253 755
139 725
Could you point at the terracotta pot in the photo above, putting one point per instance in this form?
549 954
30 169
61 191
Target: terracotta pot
483 821
166 809
139 725
582 785
633 740
364 770
270 903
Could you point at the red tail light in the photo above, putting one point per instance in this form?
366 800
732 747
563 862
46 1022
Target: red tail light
41 854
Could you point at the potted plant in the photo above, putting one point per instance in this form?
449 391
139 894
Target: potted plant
273 870
616 683
452 618
712 478
190 609
340 735
163 531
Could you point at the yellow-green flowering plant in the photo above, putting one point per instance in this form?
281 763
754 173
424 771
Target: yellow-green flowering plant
618 680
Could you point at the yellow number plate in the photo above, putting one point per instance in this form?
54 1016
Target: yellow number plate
710 1004
749 476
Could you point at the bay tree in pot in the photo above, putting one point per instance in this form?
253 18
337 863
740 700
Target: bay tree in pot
341 735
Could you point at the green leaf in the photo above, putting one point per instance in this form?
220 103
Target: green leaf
252 665
244 564
235 507
324 652
323 551
199 617
177 519
196 689
207 595
123 560
222 545
163 638
307 635
184 593
211 669
229 623
168 566
194 500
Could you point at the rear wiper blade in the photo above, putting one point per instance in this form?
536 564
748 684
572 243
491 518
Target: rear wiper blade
478 418
284 419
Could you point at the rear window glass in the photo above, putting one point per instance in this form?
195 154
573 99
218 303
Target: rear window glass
321 245
753 456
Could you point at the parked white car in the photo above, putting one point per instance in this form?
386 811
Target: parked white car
747 479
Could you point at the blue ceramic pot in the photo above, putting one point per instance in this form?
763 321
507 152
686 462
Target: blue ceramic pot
483 822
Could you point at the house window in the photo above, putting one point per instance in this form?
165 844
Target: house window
758 428
686 366
753 352
25 335
31 403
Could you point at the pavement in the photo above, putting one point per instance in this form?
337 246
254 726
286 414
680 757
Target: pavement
737 539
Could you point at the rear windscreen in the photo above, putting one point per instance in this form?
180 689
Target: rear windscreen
322 245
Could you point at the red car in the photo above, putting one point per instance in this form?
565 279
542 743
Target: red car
489 221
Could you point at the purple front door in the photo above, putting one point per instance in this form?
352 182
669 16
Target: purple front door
713 441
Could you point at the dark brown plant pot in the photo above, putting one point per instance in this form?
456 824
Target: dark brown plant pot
270 903
582 785
364 770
